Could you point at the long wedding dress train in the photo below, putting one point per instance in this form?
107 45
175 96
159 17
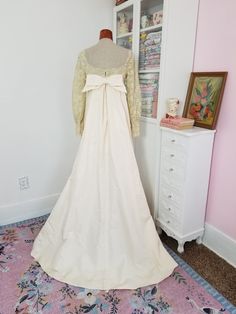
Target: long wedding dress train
100 234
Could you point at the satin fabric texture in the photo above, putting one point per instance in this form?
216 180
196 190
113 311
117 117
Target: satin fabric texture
100 233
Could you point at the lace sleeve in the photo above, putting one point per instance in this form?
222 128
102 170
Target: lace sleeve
79 98
133 95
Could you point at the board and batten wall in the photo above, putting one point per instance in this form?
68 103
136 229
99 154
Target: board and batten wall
40 43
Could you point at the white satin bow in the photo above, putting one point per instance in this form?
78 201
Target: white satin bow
94 81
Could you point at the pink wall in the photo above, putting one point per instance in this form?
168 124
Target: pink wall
216 51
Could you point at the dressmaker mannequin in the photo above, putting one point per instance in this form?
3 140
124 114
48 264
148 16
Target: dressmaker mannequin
106 54
106 33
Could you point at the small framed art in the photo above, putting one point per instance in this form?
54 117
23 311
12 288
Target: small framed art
204 96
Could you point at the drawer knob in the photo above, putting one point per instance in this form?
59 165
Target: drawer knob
168 221
169 209
171 169
172 155
169 196
173 141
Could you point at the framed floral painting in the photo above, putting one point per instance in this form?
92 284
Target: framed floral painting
204 96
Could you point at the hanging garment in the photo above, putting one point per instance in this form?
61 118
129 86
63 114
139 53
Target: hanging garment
100 234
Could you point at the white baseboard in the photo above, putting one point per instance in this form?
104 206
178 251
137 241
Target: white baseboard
26 210
220 243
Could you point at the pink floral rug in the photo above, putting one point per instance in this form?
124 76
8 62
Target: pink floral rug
25 288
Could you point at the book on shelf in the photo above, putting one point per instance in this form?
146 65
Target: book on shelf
178 123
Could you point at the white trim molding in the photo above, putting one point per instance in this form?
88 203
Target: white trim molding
220 243
26 210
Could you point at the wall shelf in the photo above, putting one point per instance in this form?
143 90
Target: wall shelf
151 28
124 35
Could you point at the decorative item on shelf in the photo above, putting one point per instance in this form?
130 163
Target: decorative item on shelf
130 25
204 96
145 21
172 107
157 17
118 2
122 23
172 119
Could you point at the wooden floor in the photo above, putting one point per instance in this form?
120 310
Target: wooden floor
220 274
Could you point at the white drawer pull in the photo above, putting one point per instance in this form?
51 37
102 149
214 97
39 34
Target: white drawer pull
169 196
172 155
169 209
171 169
173 141
168 221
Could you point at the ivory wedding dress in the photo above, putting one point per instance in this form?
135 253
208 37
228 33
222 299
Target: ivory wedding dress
100 234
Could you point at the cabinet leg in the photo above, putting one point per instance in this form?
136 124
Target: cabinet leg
180 248
199 240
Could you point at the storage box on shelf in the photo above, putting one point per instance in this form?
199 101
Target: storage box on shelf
184 177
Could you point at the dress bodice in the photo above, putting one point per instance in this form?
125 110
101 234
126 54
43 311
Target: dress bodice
130 77
91 69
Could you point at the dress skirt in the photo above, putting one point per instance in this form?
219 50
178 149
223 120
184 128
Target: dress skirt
100 233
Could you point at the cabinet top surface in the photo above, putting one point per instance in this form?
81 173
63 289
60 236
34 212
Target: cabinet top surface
189 132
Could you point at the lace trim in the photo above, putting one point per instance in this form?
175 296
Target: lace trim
108 69
129 70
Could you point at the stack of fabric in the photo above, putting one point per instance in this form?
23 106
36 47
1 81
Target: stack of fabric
149 90
150 50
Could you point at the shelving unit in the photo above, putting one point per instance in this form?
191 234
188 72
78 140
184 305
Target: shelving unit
176 49
139 15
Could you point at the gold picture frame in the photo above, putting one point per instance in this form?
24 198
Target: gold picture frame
204 96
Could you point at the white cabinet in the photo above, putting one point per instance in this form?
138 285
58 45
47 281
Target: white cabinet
183 186
169 75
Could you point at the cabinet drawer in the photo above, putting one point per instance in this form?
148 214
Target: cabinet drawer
172 181
170 209
173 156
175 141
170 221
171 195
172 170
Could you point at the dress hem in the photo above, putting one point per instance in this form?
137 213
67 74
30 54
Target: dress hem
52 274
